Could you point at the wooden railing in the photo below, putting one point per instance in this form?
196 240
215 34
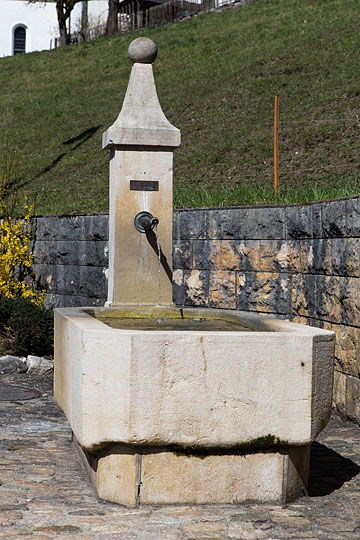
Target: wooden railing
130 19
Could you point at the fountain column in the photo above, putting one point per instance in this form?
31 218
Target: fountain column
141 144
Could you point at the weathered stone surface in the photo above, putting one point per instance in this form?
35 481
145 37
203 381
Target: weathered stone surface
352 254
141 143
134 272
143 50
249 252
303 295
182 254
225 225
196 283
68 252
207 254
339 332
92 281
155 475
64 287
321 256
264 292
45 277
347 352
113 473
45 252
306 252
168 477
58 529
348 339
189 224
247 223
317 220
175 388
349 304
352 400
269 250
228 255
333 217
265 223
12 364
52 301
141 121
339 391
339 263
58 228
288 256
39 365
222 289
96 227
299 222
86 227
352 216
178 288
328 294
67 279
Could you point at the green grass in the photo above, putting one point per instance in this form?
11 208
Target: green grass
216 76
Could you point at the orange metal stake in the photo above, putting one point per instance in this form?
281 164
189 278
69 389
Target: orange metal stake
276 146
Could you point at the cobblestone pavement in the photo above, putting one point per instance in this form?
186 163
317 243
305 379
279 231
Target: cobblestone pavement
44 492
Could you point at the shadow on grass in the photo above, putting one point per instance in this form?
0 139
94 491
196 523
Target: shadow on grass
78 139
328 470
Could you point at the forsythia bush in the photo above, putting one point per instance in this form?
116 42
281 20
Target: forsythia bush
15 237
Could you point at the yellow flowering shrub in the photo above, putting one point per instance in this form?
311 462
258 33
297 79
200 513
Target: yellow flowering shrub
16 256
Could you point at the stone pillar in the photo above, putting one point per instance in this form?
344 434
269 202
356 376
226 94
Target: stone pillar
141 144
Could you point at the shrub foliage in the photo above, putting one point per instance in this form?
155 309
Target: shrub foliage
25 328
16 256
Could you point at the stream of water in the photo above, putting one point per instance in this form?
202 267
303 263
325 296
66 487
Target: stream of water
156 232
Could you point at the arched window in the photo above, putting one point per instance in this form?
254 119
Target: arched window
19 39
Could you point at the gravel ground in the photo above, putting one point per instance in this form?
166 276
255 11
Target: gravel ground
44 491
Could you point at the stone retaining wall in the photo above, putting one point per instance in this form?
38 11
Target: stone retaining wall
300 262
71 259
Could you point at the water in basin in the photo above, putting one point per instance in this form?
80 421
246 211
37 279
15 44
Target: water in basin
164 324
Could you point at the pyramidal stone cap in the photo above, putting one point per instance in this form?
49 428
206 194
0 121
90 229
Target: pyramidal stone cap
141 121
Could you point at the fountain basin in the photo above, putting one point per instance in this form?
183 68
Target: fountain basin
207 392
190 388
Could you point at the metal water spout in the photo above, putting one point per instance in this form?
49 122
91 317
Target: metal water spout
144 222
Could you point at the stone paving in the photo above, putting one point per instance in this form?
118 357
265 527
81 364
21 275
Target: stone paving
44 492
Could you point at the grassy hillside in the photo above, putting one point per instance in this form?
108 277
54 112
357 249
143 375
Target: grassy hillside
216 76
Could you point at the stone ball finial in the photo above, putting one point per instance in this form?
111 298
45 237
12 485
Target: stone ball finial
142 50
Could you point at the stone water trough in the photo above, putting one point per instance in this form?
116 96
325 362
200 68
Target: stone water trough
187 405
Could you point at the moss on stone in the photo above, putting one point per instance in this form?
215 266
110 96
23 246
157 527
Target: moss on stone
266 443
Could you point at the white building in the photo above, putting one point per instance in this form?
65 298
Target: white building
28 27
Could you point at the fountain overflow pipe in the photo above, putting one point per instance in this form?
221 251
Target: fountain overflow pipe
144 221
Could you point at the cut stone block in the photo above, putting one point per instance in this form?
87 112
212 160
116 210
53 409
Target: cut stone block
191 388
143 475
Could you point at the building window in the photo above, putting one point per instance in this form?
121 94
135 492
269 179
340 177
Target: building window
19 39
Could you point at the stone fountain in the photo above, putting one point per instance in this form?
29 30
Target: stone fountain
186 405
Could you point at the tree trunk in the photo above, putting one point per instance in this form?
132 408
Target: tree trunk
62 23
112 20
63 10
84 20
63 35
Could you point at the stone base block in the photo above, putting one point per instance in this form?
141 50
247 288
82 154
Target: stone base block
134 475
